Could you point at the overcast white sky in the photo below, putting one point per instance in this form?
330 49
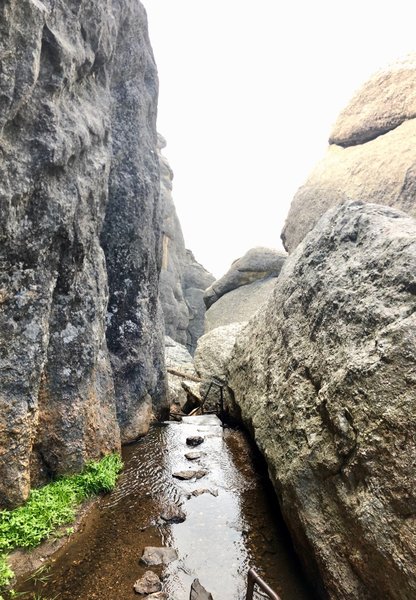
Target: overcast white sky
248 93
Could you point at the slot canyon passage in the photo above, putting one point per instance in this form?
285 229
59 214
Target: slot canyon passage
114 339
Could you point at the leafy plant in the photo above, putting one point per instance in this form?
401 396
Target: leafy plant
6 574
51 506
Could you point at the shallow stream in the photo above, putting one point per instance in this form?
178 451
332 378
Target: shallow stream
223 535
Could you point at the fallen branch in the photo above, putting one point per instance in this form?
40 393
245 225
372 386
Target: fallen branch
184 375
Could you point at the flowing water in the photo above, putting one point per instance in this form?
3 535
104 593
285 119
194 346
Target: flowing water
222 536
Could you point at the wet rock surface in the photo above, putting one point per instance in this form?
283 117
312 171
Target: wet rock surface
158 556
325 377
173 514
222 536
80 343
190 474
194 440
193 455
371 156
198 592
148 584
201 491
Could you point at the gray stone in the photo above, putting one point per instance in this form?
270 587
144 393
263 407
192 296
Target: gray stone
195 280
257 263
191 474
325 377
212 357
194 440
180 361
158 596
182 279
239 305
389 98
177 356
80 331
193 455
131 232
148 584
173 514
198 592
372 153
154 556
201 491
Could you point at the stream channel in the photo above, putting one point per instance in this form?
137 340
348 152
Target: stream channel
223 535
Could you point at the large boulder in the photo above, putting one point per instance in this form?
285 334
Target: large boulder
212 358
325 376
240 304
180 375
257 263
81 341
182 279
372 153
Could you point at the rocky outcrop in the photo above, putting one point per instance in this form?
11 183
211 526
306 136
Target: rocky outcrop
182 279
240 304
212 358
325 376
195 280
80 331
257 263
372 153
179 364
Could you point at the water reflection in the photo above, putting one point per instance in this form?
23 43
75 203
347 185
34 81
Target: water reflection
221 538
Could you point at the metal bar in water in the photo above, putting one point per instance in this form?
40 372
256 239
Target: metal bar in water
252 579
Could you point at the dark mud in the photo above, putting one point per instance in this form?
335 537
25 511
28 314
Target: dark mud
222 536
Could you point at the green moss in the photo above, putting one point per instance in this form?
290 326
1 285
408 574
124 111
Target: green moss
51 506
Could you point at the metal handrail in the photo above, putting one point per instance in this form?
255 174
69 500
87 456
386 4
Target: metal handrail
219 384
252 579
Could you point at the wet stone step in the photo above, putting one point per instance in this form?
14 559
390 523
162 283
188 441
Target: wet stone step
191 474
194 440
198 592
195 455
153 556
148 584
201 491
173 514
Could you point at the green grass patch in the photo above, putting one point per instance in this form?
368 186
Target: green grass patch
51 506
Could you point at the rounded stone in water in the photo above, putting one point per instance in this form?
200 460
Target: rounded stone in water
153 556
148 584
194 440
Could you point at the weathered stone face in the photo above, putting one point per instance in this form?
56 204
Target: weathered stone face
325 376
257 263
131 235
78 161
371 155
239 305
182 279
